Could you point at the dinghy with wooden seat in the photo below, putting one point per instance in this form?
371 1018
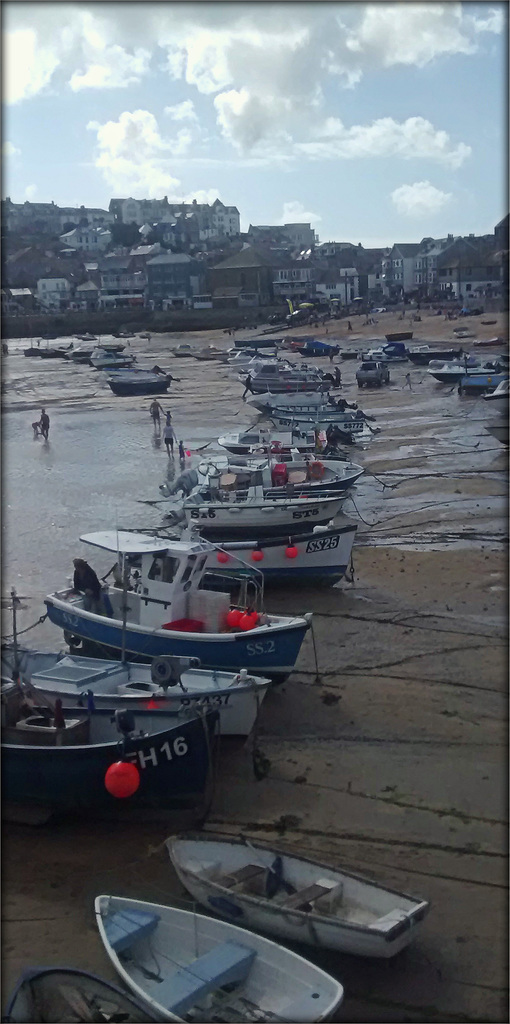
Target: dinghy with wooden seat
48 995
295 898
186 966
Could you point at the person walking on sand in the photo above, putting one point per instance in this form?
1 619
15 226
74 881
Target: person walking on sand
169 435
247 386
44 424
408 382
154 410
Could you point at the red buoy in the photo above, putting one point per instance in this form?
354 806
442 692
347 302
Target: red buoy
291 551
248 621
234 617
122 779
257 555
222 557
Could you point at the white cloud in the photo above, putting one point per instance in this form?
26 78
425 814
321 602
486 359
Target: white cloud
184 111
28 67
411 33
9 150
420 199
494 22
31 192
413 139
295 213
114 70
133 157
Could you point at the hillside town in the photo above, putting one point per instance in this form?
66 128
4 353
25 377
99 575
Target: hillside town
158 255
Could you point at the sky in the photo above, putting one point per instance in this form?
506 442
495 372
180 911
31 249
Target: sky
375 122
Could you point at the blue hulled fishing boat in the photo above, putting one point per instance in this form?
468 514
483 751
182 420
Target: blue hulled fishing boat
166 612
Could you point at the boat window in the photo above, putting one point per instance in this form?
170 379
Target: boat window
170 566
156 569
189 568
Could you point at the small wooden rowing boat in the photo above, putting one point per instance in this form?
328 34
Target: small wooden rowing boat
295 898
188 966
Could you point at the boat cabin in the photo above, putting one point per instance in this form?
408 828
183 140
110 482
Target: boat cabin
164 582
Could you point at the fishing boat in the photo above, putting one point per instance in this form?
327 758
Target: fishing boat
453 372
256 441
392 352
318 554
497 400
81 354
43 995
490 342
184 351
259 343
105 359
168 684
55 353
60 761
270 400
133 381
300 475
295 898
87 337
283 380
256 365
238 505
211 352
421 355
481 383
186 966
348 422
168 613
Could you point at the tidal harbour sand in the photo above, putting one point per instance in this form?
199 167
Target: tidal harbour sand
388 757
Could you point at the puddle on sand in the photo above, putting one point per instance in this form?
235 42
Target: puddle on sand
429 542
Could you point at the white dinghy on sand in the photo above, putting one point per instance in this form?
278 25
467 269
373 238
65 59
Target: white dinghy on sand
295 898
185 966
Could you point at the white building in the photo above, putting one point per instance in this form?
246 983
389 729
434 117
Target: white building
54 292
87 239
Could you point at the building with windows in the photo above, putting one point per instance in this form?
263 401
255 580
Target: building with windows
173 279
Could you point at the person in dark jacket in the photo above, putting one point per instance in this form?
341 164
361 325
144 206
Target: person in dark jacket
85 581
44 424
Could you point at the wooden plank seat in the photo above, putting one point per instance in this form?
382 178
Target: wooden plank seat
300 899
225 964
124 927
233 878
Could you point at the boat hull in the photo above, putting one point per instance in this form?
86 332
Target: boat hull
126 388
292 925
267 651
481 383
322 415
264 519
325 554
174 762
114 685
424 358
286 986
38 993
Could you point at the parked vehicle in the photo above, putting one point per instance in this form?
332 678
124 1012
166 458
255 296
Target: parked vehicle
372 374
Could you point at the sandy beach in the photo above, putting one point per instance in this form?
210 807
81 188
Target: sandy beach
389 757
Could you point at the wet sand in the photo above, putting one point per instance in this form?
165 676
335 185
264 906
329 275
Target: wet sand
392 761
